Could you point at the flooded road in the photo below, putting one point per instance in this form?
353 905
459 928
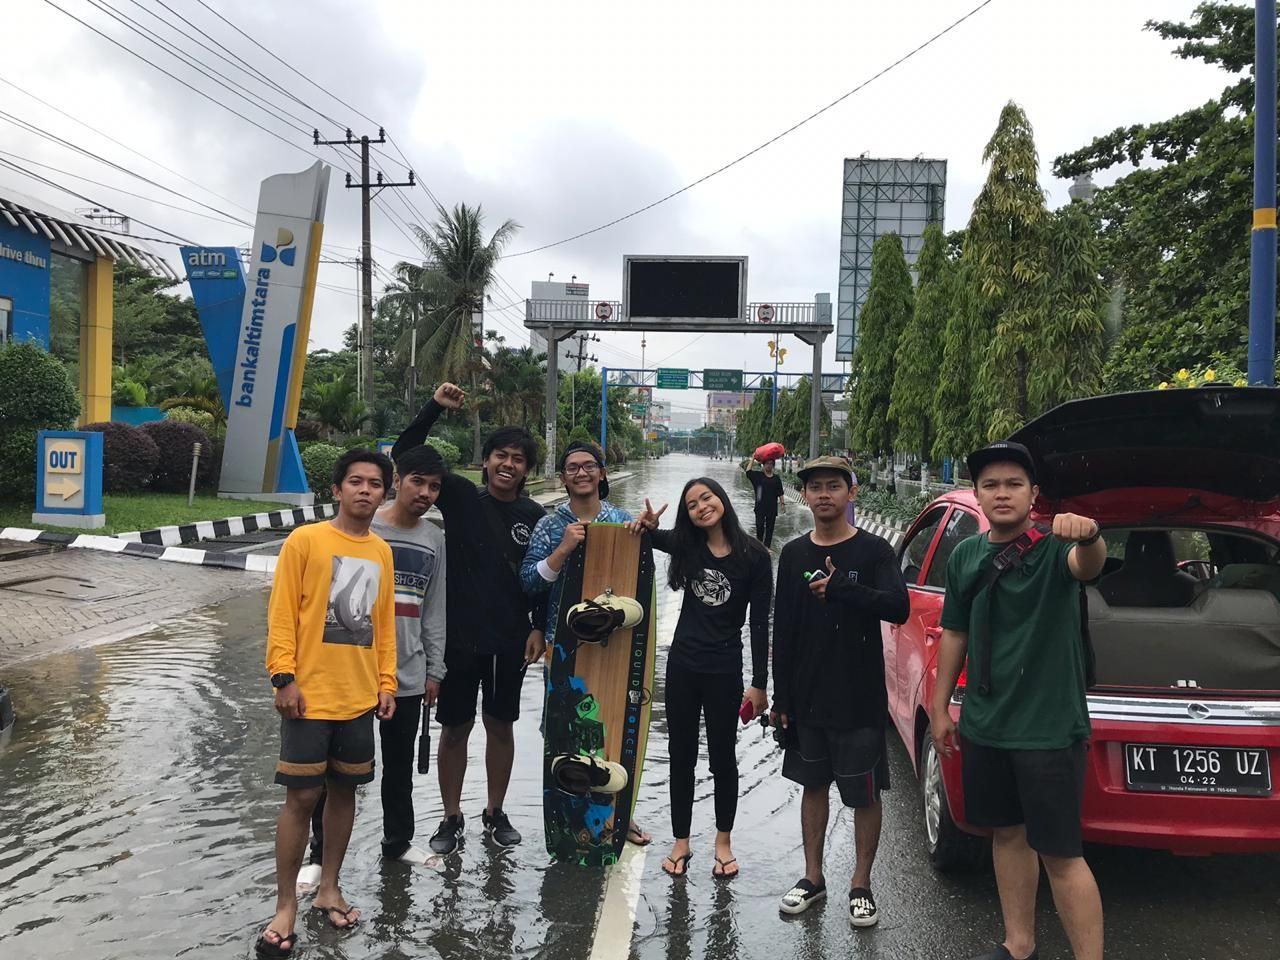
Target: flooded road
137 815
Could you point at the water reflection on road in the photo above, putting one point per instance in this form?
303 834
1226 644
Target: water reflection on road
137 814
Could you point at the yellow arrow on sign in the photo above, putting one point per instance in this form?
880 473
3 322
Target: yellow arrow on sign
67 486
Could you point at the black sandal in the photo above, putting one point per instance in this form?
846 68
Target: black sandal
344 912
681 863
265 948
724 873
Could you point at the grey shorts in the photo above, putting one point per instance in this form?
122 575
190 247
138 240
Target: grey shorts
855 759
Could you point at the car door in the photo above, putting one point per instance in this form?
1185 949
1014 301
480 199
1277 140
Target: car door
899 640
927 607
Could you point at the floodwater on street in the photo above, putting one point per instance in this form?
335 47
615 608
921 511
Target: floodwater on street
137 816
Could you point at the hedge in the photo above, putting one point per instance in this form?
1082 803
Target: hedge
174 441
36 393
318 461
129 456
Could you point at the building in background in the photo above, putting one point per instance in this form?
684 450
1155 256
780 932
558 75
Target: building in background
660 413
722 409
685 420
559 301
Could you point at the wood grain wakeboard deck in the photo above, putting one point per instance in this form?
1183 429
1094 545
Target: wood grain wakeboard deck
598 696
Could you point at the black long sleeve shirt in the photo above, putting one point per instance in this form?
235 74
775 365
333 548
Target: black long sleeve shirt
487 611
828 655
708 637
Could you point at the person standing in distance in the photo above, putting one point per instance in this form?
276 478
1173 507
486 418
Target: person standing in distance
493 630
771 498
1025 722
835 586
331 656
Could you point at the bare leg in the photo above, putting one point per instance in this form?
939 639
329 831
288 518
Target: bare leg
815 808
292 829
1017 876
499 756
866 840
339 815
451 766
1075 894
724 853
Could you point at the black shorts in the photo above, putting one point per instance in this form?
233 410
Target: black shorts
855 759
499 677
312 751
1042 789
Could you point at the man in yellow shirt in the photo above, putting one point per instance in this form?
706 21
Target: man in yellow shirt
331 654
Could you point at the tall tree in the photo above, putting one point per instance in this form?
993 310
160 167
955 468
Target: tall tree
880 324
919 353
1175 227
1006 245
959 418
465 266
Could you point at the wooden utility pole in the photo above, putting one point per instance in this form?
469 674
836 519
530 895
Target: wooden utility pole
368 190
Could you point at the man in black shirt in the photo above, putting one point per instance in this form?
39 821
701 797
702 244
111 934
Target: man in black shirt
492 630
835 586
771 499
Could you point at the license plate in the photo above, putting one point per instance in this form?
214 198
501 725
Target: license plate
1228 771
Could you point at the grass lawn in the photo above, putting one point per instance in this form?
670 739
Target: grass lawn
146 511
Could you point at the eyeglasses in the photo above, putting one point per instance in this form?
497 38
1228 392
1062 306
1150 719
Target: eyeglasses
573 469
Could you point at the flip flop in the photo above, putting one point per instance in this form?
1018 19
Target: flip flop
724 873
680 864
265 948
636 835
344 912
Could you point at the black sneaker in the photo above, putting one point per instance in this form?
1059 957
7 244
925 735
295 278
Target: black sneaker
447 836
862 908
499 829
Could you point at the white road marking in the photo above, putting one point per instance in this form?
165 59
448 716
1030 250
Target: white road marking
617 917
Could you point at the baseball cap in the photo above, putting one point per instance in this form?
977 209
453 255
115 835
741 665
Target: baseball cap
1002 451
838 464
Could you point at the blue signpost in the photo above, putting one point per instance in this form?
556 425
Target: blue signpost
69 479
1262 287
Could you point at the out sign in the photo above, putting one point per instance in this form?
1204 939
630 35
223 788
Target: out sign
69 478
65 457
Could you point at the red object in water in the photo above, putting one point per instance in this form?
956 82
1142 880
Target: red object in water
769 451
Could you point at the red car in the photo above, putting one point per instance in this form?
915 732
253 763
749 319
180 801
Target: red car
1185 620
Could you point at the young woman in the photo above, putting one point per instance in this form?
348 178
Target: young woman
722 571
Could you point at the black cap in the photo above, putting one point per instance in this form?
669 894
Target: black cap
1002 451
578 446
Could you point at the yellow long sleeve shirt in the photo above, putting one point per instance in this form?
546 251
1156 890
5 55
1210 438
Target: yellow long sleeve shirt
331 621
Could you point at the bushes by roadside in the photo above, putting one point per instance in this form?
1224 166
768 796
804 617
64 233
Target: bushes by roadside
174 441
318 461
36 393
900 509
129 456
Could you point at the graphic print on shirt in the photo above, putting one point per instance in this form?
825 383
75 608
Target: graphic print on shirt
520 533
353 590
414 567
712 588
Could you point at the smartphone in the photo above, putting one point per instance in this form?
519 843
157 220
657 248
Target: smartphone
747 712
816 575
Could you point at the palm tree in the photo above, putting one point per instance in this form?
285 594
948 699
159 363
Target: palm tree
334 404
464 266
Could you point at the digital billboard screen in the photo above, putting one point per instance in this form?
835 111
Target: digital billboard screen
687 288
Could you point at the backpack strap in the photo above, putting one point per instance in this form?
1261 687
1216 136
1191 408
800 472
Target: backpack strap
1010 558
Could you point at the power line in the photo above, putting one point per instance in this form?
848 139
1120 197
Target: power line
772 140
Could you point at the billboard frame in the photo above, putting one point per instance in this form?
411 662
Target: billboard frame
629 258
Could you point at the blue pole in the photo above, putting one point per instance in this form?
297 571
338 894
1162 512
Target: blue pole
604 413
1262 253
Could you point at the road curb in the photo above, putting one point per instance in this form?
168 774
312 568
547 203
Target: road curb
891 530
85 541
228 526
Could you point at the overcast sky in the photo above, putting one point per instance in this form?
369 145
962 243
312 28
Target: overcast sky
565 115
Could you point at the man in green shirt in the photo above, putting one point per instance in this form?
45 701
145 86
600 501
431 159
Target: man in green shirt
1024 726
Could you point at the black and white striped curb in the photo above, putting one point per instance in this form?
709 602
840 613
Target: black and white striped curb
164 543
229 526
891 530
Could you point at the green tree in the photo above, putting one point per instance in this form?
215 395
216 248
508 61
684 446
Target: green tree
919 353
960 424
1175 227
464 268
880 324
1005 242
755 422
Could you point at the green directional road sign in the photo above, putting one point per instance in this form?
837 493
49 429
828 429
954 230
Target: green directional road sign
637 409
673 378
724 380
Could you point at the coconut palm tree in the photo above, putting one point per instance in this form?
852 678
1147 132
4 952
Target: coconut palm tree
464 266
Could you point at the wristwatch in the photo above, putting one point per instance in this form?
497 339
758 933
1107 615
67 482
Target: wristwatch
281 680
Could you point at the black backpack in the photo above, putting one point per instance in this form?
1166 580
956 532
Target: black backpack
1010 558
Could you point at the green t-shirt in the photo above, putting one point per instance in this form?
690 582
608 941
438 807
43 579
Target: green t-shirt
1037 696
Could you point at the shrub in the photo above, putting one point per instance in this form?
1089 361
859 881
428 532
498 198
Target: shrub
579 434
210 465
318 461
200 418
309 430
362 442
450 454
18 464
35 390
129 455
174 440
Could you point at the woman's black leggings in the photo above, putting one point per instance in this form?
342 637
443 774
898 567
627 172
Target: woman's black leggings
689 697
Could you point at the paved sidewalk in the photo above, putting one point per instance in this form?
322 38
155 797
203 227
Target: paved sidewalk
105 597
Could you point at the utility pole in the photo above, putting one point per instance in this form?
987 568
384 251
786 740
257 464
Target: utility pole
368 190
583 339
1262 253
